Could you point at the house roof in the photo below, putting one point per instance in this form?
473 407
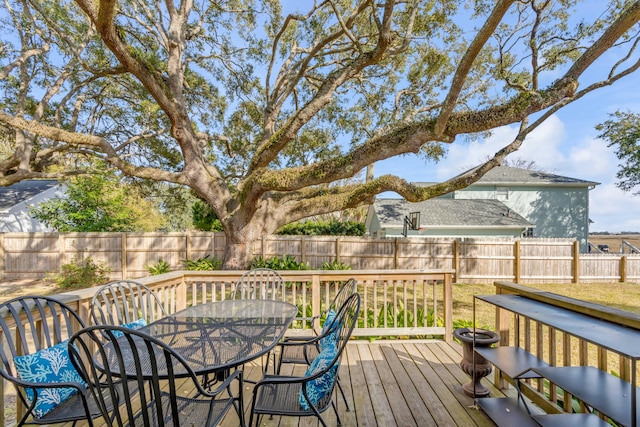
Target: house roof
506 174
450 213
23 191
503 175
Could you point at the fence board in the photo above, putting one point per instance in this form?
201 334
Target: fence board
33 255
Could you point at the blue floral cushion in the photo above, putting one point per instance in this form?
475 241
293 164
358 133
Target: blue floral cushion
136 324
49 365
321 386
328 324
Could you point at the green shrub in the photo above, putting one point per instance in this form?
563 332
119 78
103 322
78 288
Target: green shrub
202 264
335 265
323 228
204 218
81 273
463 323
159 267
287 262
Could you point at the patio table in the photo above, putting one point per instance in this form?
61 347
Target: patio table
218 336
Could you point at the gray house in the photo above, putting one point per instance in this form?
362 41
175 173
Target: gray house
506 202
16 199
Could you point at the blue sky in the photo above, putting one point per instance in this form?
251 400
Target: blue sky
567 144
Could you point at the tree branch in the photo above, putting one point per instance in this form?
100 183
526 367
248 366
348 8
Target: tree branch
467 60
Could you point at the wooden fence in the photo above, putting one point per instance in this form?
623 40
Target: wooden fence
526 261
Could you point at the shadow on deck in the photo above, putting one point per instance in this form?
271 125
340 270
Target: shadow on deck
391 383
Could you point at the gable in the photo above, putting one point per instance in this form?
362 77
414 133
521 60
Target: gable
23 191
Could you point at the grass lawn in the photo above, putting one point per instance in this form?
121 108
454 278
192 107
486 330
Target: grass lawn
623 296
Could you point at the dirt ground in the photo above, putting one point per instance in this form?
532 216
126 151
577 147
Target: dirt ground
14 288
615 241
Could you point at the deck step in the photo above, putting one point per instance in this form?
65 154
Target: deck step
514 362
506 412
570 420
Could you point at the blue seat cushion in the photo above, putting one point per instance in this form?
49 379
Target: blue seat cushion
136 324
49 365
321 386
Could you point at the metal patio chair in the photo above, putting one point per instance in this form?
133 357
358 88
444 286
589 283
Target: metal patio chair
304 349
126 302
259 283
157 372
34 331
300 396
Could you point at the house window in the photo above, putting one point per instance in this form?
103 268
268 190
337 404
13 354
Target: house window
528 232
502 193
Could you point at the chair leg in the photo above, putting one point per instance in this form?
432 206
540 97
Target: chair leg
344 397
335 409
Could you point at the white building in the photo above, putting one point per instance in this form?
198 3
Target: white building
16 199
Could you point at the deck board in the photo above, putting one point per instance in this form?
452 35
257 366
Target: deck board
390 383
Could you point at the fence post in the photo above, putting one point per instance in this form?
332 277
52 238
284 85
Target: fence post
123 254
2 269
516 261
338 241
303 250
395 253
623 268
61 250
456 259
576 261
188 244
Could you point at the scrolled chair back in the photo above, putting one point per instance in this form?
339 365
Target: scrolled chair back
259 283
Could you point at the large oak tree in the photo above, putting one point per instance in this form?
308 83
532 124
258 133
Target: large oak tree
266 112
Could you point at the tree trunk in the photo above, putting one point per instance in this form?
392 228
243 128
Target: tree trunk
237 253
239 239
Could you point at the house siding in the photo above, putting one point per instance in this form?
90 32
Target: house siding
18 219
556 212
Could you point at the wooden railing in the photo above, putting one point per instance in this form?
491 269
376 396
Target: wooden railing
557 347
395 303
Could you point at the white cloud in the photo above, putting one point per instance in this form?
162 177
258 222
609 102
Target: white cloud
559 146
613 210
542 146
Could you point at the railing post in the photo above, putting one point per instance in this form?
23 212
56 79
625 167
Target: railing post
502 328
315 299
181 295
448 308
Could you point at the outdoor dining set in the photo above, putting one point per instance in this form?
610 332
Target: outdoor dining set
138 365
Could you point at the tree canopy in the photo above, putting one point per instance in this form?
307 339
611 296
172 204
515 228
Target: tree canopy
264 109
623 133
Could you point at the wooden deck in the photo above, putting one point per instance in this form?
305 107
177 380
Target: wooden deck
392 383
397 383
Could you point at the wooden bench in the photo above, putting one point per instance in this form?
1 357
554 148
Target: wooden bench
605 393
